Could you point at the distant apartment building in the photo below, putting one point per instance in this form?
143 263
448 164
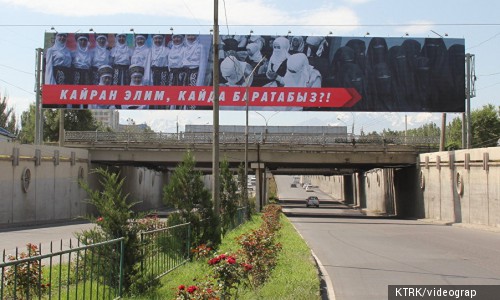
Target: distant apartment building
6 136
108 117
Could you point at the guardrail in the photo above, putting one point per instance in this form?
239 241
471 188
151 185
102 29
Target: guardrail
96 137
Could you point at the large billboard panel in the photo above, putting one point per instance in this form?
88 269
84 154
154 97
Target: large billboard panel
174 71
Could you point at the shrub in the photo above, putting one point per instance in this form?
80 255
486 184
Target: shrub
116 220
24 280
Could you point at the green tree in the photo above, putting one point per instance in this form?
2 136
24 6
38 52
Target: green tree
228 197
485 128
116 220
27 132
74 120
7 117
454 134
187 194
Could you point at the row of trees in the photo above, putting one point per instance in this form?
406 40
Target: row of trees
185 192
485 129
485 125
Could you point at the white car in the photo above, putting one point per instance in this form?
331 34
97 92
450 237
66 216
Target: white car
309 188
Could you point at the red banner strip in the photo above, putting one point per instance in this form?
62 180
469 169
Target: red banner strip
197 96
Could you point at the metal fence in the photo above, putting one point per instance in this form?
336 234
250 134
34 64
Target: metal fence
239 138
165 249
92 271
85 272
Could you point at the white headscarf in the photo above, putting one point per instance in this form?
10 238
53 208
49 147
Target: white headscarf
300 47
141 53
176 54
316 41
159 54
279 55
299 73
82 58
121 52
101 53
232 70
192 53
254 53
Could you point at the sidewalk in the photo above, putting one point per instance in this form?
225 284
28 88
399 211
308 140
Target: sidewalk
59 234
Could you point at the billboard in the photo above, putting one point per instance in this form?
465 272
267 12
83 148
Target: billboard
174 71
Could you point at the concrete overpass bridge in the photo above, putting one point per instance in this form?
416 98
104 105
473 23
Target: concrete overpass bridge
292 153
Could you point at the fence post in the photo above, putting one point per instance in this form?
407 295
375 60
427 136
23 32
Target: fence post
122 251
188 238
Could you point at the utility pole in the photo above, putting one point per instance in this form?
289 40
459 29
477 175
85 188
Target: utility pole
38 92
215 146
468 91
443 132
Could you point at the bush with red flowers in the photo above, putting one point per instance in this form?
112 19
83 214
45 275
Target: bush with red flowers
24 280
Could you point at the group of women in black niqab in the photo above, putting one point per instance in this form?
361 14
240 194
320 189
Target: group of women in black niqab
405 77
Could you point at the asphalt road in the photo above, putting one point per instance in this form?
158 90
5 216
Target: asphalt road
363 255
42 236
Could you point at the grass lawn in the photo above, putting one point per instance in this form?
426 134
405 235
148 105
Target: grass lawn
295 276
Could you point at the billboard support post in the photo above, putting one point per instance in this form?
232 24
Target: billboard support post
247 96
467 104
38 92
215 145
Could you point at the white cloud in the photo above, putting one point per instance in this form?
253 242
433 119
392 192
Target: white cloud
419 28
238 12
357 1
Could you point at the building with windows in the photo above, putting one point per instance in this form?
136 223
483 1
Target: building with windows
6 136
108 117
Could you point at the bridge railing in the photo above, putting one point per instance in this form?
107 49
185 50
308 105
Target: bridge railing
93 137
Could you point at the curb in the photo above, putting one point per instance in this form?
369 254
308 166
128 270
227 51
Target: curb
330 293
324 277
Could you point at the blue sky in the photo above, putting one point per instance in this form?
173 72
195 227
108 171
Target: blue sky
24 22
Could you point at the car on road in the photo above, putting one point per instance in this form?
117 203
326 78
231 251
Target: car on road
312 201
309 188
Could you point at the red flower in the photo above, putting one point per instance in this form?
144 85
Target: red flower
191 289
247 267
100 219
181 287
231 260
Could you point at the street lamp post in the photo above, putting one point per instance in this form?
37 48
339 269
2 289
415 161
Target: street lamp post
352 126
266 121
247 96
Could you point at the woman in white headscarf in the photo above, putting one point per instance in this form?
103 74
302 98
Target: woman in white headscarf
120 57
58 62
236 72
142 56
82 60
101 55
276 68
177 75
296 45
193 60
255 58
300 73
159 61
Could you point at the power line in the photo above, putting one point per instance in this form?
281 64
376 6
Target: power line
257 25
12 68
31 93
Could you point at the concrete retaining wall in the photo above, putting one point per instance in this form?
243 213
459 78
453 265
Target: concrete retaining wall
51 193
461 186
39 184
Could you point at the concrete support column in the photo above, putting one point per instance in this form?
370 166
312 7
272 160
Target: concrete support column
260 185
